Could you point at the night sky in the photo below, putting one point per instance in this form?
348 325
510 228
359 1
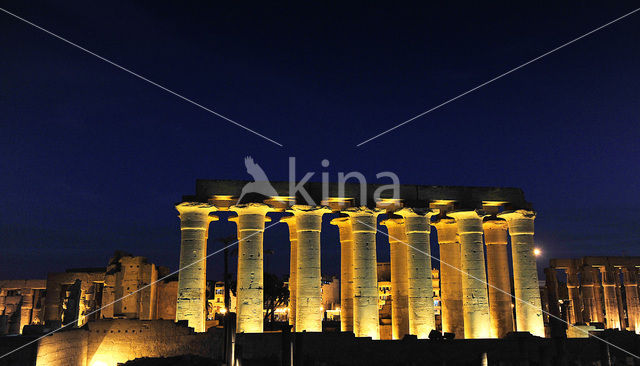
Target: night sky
92 159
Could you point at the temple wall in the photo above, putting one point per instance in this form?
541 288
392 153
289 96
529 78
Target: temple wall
80 303
113 341
66 348
166 300
21 303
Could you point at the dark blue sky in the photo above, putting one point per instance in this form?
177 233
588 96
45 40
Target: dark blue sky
92 159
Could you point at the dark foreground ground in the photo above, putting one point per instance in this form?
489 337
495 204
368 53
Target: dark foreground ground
343 349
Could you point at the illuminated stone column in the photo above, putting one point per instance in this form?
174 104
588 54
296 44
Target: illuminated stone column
250 288
598 292
346 273
309 279
475 303
621 310
293 268
192 278
630 277
450 278
500 310
590 286
609 283
3 298
556 328
417 227
525 273
573 289
365 269
26 308
399 280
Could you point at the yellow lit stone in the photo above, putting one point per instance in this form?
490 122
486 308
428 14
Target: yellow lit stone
525 274
475 303
250 289
194 225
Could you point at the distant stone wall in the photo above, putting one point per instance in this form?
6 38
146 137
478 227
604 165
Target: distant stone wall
77 303
108 342
21 304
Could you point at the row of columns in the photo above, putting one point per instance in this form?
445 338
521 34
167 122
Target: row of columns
469 307
595 295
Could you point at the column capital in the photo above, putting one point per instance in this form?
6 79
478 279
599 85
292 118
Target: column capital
520 221
363 211
417 220
308 218
495 224
589 277
444 221
196 208
609 274
304 209
572 279
411 212
495 231
235 219
630 274
395 229
517 215
392 222
196 215
467 214
340 221
469 221
252 208
344 229
447 230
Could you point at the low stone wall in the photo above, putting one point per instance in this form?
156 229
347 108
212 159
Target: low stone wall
68 348
113 341
109 342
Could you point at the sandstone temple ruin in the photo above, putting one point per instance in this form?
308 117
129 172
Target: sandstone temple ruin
463 216
486 289
80 295
601 292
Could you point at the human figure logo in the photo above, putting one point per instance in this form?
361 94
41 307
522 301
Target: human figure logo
260 182
263 186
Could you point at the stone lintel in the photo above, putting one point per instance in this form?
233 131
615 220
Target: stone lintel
417 196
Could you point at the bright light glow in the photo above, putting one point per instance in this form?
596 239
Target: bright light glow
99 363
223 310
537 252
